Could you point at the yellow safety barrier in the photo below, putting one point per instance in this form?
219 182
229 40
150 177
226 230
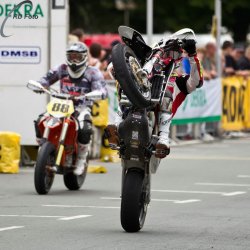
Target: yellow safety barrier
9 152
108 154
100 113
247 104
97 169
235 103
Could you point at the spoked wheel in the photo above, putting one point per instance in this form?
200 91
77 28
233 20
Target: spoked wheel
126 67
133 205
44 177
74 182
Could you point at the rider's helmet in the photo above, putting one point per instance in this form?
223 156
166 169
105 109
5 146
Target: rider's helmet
77 59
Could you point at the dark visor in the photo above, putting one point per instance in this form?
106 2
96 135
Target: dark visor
75 57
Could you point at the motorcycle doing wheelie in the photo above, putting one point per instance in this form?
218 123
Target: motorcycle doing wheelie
143 74
58 150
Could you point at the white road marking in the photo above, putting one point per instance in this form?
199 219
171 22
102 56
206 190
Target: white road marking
216 158
110 198
30 216
78 206
243 176
47 216
187 201
177 201
199 192
222 184
233 193
174 201
75 217
10 228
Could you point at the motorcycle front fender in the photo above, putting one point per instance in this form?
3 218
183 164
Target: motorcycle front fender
134 40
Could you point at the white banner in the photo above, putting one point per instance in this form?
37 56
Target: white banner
203 105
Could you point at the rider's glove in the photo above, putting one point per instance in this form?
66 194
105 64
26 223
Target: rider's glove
189 46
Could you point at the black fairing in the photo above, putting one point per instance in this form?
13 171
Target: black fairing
134 133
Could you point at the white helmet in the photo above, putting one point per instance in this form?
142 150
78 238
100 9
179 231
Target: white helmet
77 59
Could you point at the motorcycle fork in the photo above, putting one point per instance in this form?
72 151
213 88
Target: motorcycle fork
61 141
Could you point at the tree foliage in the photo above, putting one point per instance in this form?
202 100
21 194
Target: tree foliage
101 16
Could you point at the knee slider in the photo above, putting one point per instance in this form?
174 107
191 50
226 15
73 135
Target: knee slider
84 133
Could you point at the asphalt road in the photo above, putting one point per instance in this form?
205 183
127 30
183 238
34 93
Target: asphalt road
200 200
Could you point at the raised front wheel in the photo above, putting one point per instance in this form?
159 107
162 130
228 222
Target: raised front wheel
126 67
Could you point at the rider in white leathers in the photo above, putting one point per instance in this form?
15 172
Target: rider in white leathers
180 86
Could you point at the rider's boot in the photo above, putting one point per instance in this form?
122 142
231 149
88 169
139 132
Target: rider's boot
81 160
162 145
111 134
111 131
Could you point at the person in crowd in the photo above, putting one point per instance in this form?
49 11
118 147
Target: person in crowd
96 55
229 64
107 60
237 54
201 53
79 32
209 60
99 59
244 62
233 63
77 78
72 38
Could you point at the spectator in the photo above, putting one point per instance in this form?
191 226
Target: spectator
209 60
237 54
79 32
72 38
229 64
244 62
201 52
99 59
97 53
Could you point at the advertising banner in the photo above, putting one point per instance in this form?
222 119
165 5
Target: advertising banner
33 37
235 103
247 106
203 105
100 113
